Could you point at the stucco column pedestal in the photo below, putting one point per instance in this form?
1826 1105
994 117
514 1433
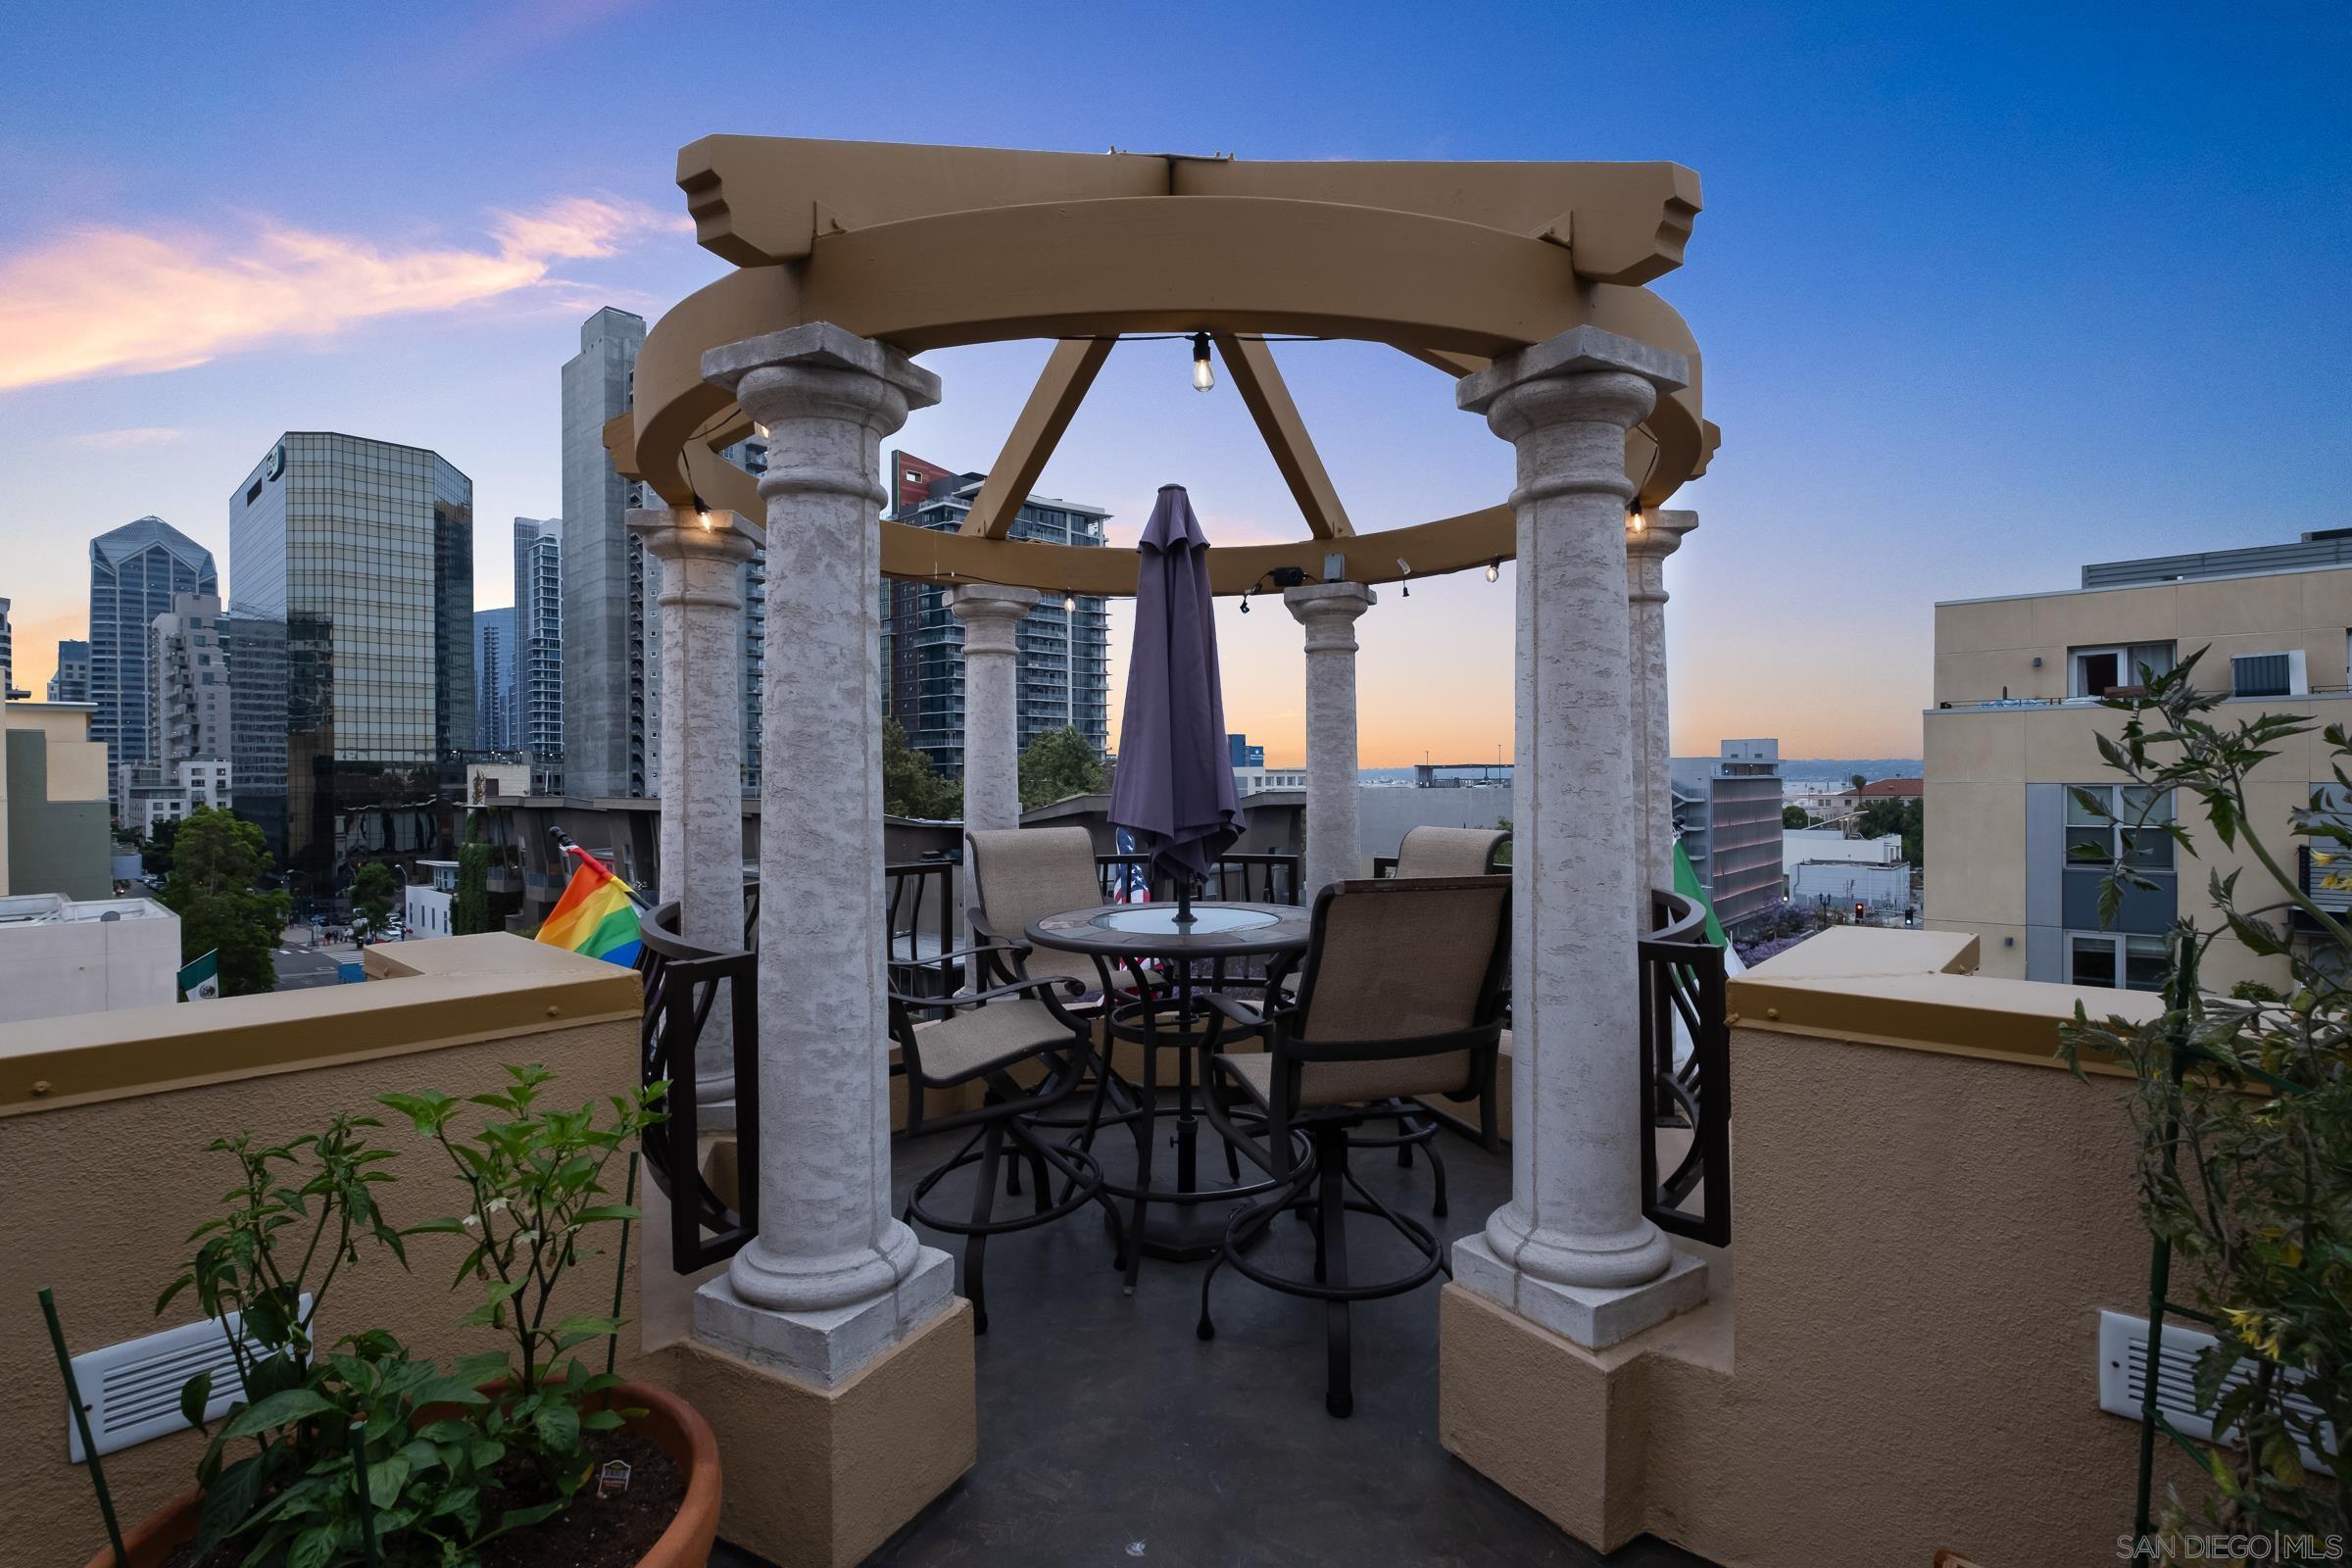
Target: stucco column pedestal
702 753
1572 1249
833 1279
1329 610
992 754
1650 538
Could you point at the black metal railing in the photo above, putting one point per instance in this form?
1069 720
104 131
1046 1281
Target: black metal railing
1683 981
1237 878
681 983
682 980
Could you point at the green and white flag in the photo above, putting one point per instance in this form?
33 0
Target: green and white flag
200 981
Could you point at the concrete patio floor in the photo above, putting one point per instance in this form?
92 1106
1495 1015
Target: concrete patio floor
1109 1432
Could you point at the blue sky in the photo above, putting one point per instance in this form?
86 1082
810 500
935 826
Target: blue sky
1983 294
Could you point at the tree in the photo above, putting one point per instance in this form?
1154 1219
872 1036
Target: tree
911 787
1056 765
1857 780
1794 817
1915 832
217 864
469 912
371 890
1881 817
155 851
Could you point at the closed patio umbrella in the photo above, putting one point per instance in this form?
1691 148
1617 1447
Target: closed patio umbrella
1174 786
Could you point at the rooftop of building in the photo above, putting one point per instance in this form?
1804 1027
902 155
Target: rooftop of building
144 533
2317 550
55 908
1883 789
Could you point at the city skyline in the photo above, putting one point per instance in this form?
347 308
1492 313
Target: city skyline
1942 307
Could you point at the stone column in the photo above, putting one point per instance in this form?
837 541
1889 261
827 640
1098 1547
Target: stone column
1650 538
701 607
1328 610
833 1279
992 718
1572 1249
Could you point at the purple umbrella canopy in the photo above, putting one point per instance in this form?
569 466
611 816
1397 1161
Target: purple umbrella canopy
1174 785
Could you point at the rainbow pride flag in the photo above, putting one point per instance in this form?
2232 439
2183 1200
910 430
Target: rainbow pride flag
594 917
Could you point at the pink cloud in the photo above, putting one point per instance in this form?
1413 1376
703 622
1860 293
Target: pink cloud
119 302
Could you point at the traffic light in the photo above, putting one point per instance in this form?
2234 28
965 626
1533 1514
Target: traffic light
1858 907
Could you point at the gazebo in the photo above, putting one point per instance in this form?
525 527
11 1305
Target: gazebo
1525 282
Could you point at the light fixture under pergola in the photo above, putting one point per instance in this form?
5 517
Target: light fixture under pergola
932 247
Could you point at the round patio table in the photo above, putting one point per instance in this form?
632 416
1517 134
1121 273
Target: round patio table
1140 932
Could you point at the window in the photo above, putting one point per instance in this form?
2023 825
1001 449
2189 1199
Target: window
2116 963
2096 672
2093 839
2279 674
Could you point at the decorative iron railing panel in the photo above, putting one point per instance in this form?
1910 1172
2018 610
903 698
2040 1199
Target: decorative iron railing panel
1235 878
1683 981
681 982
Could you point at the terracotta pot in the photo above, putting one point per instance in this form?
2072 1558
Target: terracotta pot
669 1423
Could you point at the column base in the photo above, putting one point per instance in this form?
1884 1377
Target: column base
822 1477
1591 1316
827 1347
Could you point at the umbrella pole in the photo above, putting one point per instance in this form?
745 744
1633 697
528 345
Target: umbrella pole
1184 900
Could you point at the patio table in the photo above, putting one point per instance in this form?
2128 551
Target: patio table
1220 933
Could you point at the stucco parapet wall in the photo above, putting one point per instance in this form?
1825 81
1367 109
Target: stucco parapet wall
1919 991
448 991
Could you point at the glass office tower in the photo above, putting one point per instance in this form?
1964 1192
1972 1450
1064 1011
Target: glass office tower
135 571
351 639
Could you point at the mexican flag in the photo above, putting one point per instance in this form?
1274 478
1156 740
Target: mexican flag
200 980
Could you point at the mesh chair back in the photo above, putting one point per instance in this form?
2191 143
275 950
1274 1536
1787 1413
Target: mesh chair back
1025 873
1449 852
1400 960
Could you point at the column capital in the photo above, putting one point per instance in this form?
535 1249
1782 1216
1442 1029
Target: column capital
1650 538
1329 610
1580 351
678 533
814 387
818 346
988 611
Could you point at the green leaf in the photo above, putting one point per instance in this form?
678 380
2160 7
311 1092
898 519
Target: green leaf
278 1410
227 1501
590 1327
315 1547
386 1478
602 1421
604 1212
557 1426
194 1395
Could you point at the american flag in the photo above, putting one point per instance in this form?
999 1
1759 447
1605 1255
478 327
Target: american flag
1131 880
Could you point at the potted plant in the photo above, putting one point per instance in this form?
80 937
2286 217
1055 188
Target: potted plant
366 1453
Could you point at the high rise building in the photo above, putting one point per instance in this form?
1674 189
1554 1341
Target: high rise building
539 648
71 682
352 645
1061 647
135 571
494 667
612 626
7 656
187 708
1726 813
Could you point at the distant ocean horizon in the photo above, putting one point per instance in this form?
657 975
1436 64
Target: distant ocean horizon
1797 769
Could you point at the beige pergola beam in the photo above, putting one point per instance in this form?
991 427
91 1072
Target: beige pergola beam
1070 370
1258 380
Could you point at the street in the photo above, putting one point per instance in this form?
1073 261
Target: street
301 965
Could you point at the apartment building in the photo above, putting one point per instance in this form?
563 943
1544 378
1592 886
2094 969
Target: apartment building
1726 813
2014 856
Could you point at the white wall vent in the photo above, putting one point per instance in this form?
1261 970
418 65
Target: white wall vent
133 1388
2123 1374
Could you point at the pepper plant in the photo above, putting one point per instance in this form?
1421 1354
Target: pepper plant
2242 1105
537 1180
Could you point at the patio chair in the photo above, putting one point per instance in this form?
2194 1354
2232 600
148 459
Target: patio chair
1445 851
1401 997
985 1036
1023 874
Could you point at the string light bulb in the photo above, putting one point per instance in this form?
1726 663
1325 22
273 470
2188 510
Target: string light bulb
1407 568
1494 569
701 511
1204 373
1635 522
1069 603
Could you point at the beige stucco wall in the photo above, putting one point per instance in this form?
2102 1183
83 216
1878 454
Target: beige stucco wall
1986 645
1927 1223
105 1187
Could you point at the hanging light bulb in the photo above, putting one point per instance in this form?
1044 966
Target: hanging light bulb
1244 601
1494 569
1204 374
1633 521
1069 603
1407 568
701 511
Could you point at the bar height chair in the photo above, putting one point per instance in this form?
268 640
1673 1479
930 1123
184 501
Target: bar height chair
1401 997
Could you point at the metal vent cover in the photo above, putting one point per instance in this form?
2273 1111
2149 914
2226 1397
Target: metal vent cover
131 1389
2123 1377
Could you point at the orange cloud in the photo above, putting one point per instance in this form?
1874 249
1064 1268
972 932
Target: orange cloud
116 302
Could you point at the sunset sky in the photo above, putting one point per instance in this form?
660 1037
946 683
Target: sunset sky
1979 301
